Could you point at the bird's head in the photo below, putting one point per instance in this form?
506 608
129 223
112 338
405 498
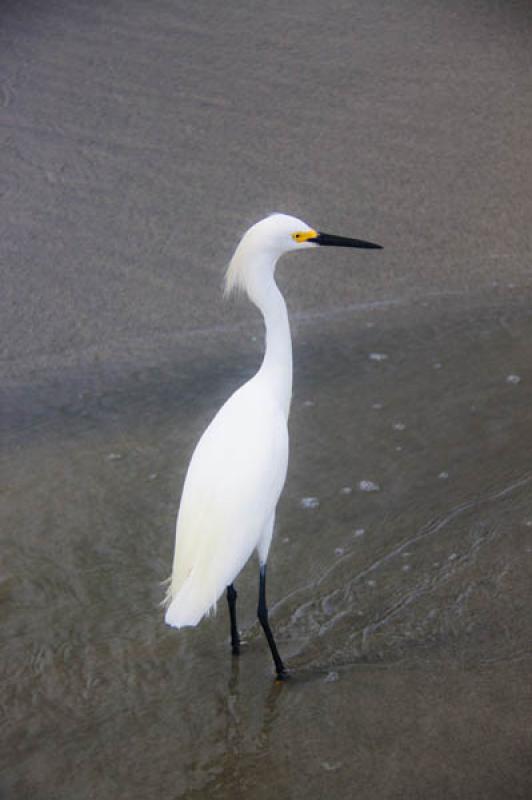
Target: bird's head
268 239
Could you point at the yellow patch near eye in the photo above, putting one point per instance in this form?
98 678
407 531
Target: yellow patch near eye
304 236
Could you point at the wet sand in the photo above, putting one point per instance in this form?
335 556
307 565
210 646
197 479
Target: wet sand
403 612
136 148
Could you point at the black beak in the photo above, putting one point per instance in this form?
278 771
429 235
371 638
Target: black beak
330 240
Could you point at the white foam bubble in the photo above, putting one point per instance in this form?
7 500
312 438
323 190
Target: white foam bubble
369 486
310 502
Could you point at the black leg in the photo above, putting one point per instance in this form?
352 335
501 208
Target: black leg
231 602
262 613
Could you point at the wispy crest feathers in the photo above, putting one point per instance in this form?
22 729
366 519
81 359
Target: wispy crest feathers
234 277
237 275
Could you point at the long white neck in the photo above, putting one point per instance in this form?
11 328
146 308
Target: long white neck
276 369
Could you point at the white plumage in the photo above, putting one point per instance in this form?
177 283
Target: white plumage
238 468
228 504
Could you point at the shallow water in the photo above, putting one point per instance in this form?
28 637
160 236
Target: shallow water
402 612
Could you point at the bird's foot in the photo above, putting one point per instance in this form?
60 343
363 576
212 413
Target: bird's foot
282 675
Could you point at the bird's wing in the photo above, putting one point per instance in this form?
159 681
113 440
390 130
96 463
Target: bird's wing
232 485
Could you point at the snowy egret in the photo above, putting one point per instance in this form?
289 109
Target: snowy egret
238 468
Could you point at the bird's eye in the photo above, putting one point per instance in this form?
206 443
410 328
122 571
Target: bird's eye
296 237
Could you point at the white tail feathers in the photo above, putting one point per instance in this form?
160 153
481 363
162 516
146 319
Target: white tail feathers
188 606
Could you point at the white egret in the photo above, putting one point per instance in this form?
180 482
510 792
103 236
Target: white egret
238 468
